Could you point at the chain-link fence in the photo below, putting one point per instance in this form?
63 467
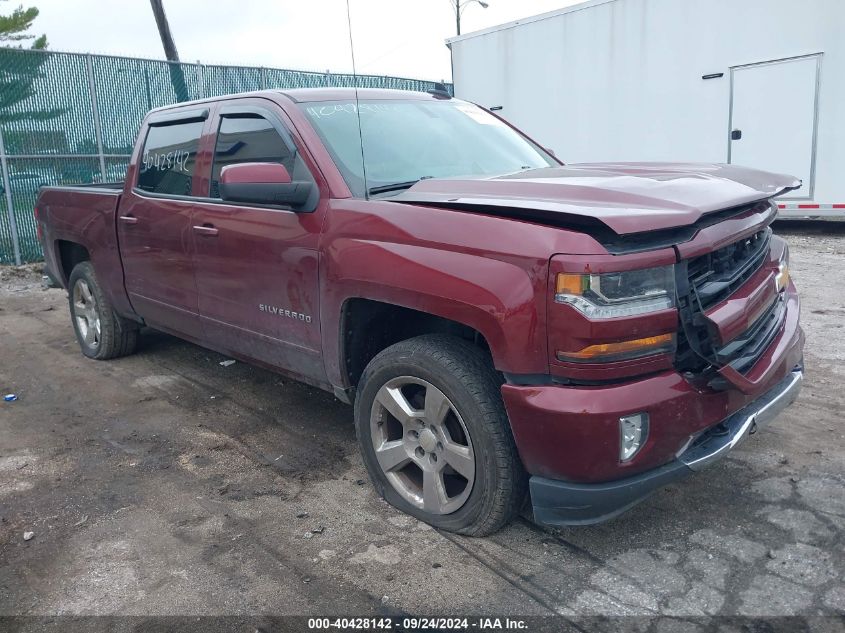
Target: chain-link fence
68 118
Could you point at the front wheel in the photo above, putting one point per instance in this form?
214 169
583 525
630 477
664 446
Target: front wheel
101 332
435 435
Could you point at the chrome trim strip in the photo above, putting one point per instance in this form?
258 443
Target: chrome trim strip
712 446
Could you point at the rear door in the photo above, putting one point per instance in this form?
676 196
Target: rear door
154 222
257 266
773 118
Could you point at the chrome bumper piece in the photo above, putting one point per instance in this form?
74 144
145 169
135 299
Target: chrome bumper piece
715 443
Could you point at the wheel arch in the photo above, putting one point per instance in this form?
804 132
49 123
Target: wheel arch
503 302
368 326
69 255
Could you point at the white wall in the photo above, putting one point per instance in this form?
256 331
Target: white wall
621 79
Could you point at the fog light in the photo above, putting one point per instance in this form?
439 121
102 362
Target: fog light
633 431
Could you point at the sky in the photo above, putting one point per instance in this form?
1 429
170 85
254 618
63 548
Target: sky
403 38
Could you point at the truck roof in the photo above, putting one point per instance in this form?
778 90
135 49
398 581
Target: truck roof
300 95
339 94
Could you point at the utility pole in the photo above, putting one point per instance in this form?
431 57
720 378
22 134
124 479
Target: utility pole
458 15
456 5
177 76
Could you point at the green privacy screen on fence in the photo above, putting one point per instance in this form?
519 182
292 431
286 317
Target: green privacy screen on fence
68 118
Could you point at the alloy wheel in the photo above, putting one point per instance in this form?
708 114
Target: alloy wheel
87 313
422 445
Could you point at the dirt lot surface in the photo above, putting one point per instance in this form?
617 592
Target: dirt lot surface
165 483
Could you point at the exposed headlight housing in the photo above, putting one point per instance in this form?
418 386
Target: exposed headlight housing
611 295
782 278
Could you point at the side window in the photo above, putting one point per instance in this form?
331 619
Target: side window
252 139
167 163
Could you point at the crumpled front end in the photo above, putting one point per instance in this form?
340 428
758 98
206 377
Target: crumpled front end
651 352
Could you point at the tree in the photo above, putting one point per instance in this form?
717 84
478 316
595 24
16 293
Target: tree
13 28
19 69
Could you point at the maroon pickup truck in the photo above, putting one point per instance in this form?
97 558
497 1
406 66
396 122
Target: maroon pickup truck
502 323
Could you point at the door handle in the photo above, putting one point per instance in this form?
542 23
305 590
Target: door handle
129 219
206 229
736 135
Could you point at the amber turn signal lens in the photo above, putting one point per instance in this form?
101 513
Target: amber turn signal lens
623 350
569 284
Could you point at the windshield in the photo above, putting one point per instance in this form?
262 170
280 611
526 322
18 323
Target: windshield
405 141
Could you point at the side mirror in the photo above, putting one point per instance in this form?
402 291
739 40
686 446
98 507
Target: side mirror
262 183
549 150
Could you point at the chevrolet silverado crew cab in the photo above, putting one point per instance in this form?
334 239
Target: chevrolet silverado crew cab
502 323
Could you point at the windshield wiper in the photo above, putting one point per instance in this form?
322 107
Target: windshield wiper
395 186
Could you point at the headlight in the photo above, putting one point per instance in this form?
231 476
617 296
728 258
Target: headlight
610 295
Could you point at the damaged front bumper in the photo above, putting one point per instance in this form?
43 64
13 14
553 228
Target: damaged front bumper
558 503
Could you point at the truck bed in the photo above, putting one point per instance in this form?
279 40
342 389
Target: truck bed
81 214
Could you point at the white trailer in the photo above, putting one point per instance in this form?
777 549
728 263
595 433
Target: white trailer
759 83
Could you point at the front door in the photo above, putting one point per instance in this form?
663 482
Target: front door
257 266
154 224
773 118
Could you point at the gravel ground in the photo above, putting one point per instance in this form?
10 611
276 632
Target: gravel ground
165 483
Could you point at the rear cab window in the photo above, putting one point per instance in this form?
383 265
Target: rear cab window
169 157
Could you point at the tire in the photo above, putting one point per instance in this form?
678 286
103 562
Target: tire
435 436
102 333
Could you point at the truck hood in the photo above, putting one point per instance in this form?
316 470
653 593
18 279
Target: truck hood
626 197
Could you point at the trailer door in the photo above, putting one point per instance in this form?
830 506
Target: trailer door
773 118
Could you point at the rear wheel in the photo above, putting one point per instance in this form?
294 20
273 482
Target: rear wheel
435 435
101 332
